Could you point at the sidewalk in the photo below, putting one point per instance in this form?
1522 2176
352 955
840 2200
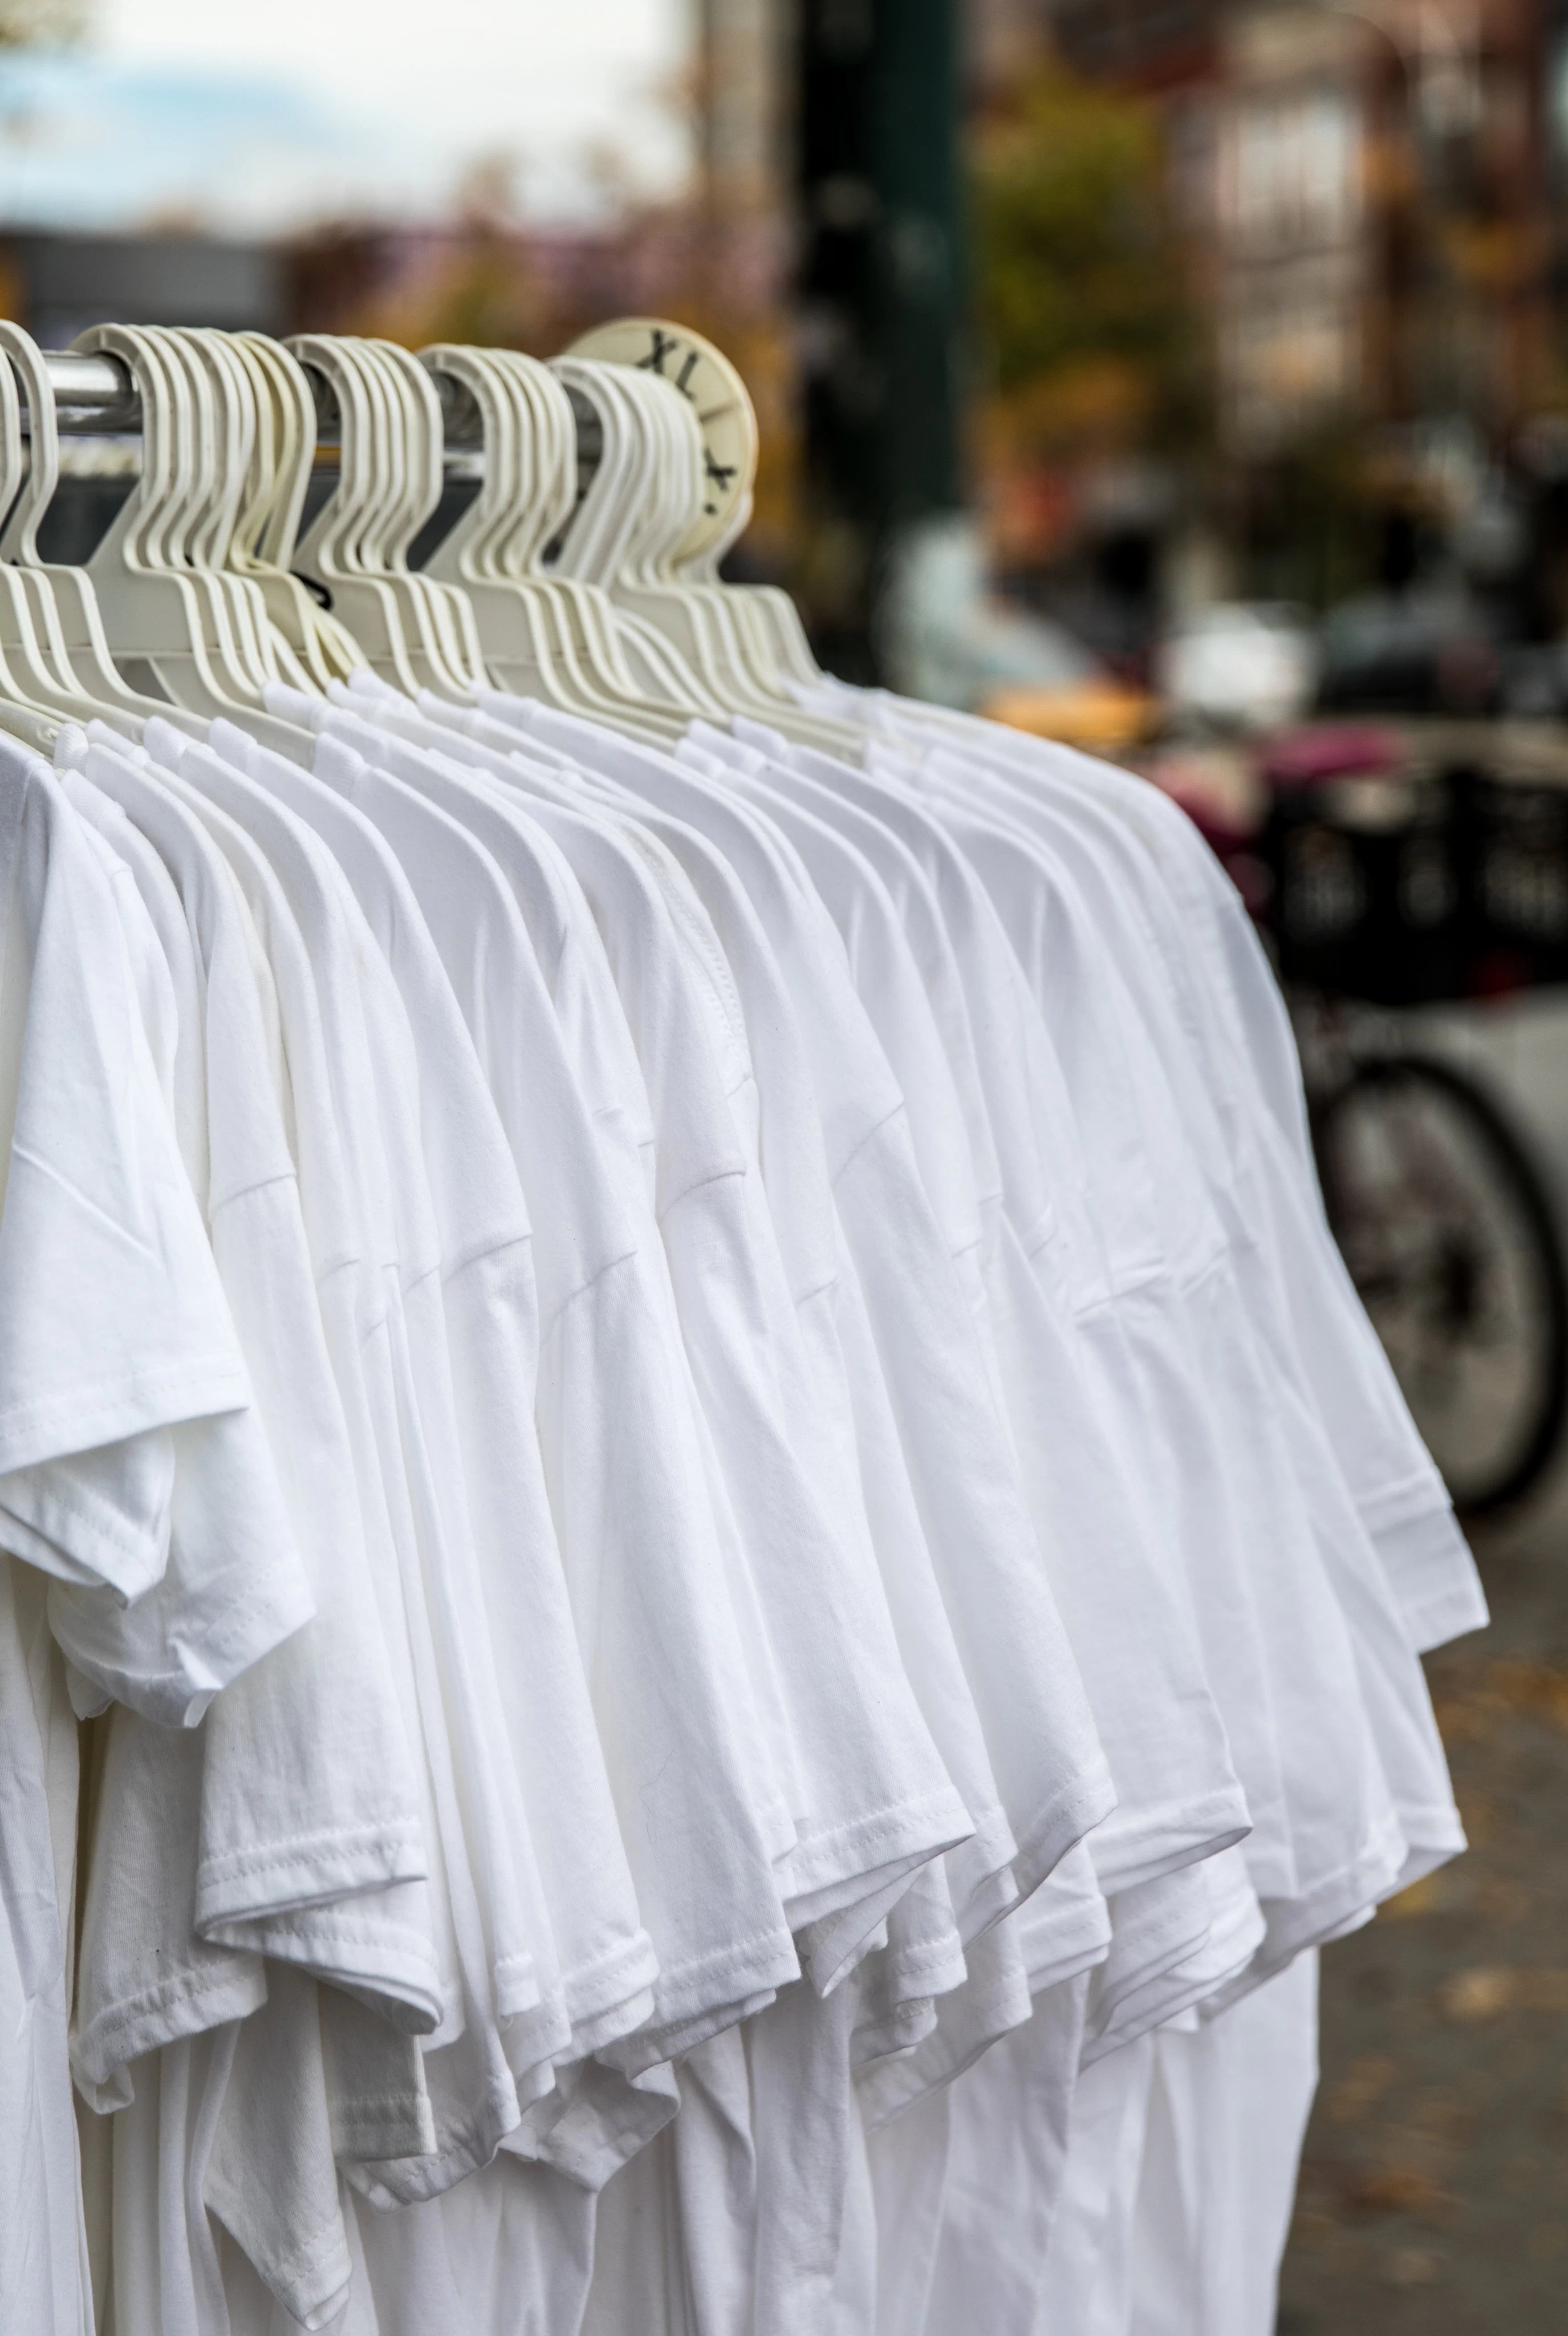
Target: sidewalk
1434 2194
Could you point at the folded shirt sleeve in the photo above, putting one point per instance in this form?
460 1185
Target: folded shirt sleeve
132 1464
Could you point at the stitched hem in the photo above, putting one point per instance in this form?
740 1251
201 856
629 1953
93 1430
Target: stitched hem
186 2003
821 1914
895 2038
1376 1872
1403 1499
923 1827
462 2145
590 2037
1166 1999
636 2055
388 1967
307 1869
1070 1814
1155 1842
311 2280
82 1541
198 1388
593 1989
884 2087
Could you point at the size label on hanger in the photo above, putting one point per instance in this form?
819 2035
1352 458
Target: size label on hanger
710 384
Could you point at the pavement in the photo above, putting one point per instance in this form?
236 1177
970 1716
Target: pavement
1434 2191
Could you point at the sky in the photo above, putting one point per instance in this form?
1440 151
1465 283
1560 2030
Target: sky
255 119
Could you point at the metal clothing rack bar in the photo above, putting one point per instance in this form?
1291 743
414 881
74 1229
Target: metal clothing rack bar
99 393
92 392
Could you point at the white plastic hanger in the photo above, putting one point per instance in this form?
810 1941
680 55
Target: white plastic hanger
327 554
441 614
62 596
741 657
605 518
267 523
539 640
717 392
30 690
210 444
166 619
415 630
583 609
638 512
224 398
156 620
522 648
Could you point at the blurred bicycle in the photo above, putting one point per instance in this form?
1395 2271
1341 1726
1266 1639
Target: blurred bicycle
1388 880
1452 1242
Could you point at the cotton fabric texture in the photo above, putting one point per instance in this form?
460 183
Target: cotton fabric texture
707 1585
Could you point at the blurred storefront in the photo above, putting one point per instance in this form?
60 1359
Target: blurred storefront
1366 194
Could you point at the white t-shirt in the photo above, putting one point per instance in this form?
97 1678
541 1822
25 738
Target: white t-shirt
115 1329
814 2036
919 1961
147 1974
630 1514
1055 1791
874 1797
614 1087
1138 1712
1227 2114
308 1793
753 2172
339 1244
1136 1646
986 2008
43 2277
866 1466
1397 1491
1077 986
871 1490
99 1221
1008 2118
607 1962
492 1918
1348 1694
1236 1019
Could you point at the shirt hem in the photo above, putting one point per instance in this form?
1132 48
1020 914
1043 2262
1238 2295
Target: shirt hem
305 1869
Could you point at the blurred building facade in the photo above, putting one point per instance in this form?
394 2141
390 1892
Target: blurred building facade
1372 189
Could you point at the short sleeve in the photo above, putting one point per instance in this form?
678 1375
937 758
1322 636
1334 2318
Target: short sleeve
114 1335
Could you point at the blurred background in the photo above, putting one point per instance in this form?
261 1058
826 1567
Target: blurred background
1186 380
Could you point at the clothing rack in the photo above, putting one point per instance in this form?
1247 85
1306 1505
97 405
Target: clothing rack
97 393
667 1344
90 394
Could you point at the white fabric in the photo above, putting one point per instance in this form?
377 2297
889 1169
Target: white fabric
607 1962
308 1788
114 1325
972 1511
874 1799
748 1583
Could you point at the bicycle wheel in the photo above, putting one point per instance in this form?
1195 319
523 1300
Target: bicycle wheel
1453 1245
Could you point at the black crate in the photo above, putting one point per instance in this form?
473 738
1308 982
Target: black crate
1516 874
1406 893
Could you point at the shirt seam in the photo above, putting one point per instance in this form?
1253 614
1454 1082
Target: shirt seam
548 1321
848 1161
141 1384
294 1845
